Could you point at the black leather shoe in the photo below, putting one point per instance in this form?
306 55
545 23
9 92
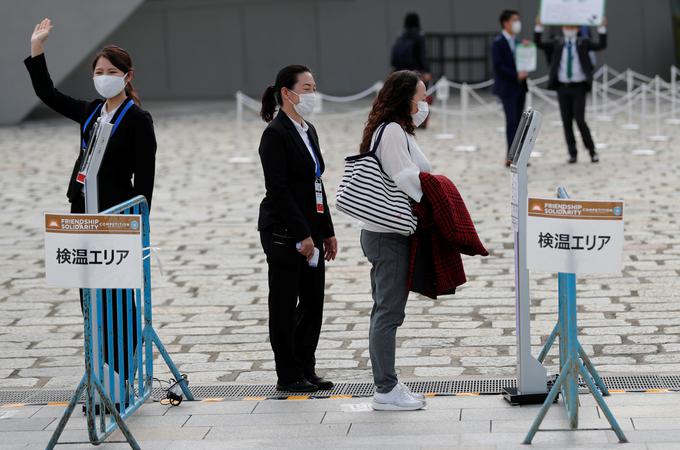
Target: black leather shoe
319 382
572 160
594 158
297 386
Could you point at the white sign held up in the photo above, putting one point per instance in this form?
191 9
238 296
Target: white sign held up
100 251
574 236
572 12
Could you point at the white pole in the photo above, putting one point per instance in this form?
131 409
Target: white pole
464 100
674 120
239 110
642 149
443 92
657 136
630 83
604 117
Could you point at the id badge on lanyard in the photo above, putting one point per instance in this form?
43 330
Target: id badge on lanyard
318 188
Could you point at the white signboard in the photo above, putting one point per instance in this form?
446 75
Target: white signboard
525 57
572 12
102 251
574 236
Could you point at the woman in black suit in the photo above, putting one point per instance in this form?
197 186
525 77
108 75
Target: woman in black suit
131 151
131 148
295 227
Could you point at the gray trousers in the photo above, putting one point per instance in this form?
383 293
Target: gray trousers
388 254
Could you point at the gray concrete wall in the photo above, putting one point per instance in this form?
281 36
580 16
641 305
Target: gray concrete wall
78 28
211 48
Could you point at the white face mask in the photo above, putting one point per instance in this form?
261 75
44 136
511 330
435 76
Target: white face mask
516 27
109 85
569 34
421 115
305 106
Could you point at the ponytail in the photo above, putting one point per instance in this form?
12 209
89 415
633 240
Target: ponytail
286 78
131 92
268 104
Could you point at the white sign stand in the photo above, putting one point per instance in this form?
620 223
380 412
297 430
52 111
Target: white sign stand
531 375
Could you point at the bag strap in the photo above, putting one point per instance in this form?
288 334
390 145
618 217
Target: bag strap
378 138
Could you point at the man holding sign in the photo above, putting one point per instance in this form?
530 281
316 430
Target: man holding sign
571 75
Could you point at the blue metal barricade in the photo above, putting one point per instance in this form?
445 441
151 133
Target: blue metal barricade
573 360
118 346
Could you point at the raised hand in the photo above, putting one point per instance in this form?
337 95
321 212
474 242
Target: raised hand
40 34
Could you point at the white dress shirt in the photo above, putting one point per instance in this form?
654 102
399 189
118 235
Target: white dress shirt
511 40
577 75
105 115
402 162
302 130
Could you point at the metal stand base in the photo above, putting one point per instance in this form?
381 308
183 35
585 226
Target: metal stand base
465 148
511 396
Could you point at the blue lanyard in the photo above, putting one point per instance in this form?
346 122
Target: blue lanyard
116 123
316 160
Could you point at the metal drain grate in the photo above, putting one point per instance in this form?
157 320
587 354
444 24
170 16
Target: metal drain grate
632 383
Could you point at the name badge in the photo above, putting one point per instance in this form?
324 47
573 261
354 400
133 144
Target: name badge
319 196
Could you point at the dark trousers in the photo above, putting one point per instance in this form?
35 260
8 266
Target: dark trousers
513 105
296 295
572 99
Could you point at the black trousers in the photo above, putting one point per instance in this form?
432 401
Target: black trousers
296 296
572 100
513 106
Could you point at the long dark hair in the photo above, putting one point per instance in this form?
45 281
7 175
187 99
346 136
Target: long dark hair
122 61
393 104
286 78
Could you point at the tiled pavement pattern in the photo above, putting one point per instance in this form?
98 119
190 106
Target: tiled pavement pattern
649 421
211 304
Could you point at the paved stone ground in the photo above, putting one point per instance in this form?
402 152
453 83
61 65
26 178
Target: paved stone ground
649 421
210 306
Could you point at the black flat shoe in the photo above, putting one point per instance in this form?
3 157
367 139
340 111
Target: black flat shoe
572 160
323 385
297 386
594 158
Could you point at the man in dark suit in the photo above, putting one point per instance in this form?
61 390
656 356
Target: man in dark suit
571 75
509 85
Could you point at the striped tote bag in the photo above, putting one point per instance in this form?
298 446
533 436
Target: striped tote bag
366 193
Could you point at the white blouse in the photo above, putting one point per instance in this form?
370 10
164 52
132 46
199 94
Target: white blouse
401 162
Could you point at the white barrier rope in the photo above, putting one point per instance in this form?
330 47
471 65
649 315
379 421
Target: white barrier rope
638 88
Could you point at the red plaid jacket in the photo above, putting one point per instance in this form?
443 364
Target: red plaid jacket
445 230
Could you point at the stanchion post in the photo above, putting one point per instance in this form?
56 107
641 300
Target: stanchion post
464 103
604 105
657 136
239 110
674 120
630 87
443 93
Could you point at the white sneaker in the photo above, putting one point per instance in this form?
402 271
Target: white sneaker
398 399
420 397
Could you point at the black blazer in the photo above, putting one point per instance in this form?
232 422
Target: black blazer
131 150
553 51
505 81
290 199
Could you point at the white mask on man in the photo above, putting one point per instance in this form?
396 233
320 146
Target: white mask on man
516 27
305 106
109 86
420 116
